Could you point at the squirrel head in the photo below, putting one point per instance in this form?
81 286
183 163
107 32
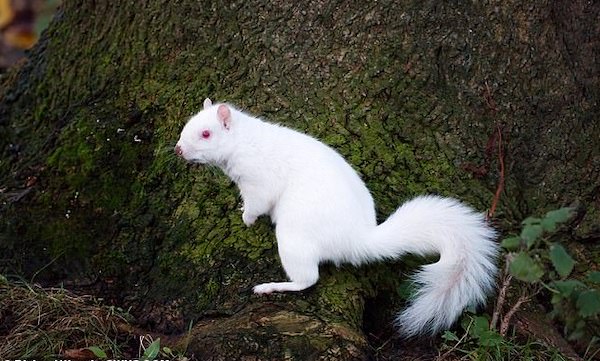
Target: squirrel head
204 137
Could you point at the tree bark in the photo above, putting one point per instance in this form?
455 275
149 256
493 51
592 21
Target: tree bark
418 96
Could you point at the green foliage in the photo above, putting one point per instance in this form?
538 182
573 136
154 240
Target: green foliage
553 218
481 331
525 268
479 342
562 262
98 352
530 233
588 303
566 288
511 243
537 260
477 336
594 277
152 351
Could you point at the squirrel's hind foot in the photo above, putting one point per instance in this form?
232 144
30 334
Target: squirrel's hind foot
266 288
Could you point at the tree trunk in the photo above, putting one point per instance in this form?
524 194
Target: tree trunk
418 96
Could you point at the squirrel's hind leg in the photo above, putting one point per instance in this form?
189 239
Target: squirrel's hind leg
266 288
301 266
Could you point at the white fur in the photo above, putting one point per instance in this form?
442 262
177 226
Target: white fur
324 212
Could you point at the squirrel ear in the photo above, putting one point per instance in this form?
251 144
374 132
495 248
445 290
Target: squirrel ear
224 115
207 103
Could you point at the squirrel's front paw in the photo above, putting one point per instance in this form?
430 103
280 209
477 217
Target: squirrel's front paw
248 219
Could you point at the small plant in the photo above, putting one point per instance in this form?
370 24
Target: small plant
98 352
150 351
543 264
479 342
153 349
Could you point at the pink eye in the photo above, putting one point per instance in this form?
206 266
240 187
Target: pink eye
206 134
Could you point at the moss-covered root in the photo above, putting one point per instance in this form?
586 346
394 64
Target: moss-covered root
275 333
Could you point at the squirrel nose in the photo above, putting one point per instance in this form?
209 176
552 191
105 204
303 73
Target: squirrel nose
178 150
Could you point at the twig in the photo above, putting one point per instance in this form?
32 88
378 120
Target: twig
501 295
491 104
500 187
506 320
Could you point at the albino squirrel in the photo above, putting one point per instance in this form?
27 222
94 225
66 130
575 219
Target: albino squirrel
323 211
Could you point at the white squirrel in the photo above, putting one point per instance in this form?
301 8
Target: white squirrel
323 211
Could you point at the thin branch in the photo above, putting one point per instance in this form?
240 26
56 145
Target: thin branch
500 186
491 104
506 320
501 295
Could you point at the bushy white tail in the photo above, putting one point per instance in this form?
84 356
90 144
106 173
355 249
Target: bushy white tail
465 272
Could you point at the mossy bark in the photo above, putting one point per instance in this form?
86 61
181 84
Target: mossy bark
412 93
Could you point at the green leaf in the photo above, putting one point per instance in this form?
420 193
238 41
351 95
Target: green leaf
480 329
97 351
531 220
594 277
450 336
168 351
562 262
490 338
560 215
511 243
588 303
556 299
531 233
152 350
480 325
566 287
553 218
524 268
548 225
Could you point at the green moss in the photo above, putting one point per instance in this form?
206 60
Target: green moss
342 294
187 209
207 295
